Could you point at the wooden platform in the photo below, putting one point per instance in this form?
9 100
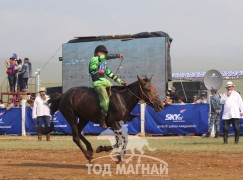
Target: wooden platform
6 95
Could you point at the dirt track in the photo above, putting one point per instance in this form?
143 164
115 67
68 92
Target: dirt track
70 164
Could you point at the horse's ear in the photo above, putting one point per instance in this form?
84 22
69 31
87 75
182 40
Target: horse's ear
149 79
140 80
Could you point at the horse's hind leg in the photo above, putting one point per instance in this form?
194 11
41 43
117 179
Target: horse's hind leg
81 125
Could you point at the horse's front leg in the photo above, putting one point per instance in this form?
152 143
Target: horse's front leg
118 134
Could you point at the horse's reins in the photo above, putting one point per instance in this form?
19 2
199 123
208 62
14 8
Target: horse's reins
117 70
150 100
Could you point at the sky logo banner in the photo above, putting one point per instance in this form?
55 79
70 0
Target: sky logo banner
178 119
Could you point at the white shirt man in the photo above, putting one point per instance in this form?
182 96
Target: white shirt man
41 107
41 112
233 110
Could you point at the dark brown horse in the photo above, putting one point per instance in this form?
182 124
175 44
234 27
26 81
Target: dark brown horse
82 102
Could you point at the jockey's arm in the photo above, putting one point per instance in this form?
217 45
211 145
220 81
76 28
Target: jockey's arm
105 57
111 75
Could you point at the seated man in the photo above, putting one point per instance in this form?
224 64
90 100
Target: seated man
10 104
195 99
203 99
167 101
180 100
97 70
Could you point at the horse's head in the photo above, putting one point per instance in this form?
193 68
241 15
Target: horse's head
149 93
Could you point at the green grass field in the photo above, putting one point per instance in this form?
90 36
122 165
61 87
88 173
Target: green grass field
180 144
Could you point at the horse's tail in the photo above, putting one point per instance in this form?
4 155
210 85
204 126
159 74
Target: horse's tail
54 102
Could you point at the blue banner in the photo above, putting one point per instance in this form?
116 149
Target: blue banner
177 119
60 124
134 126
10 121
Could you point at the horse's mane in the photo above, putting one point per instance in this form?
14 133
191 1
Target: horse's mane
117 88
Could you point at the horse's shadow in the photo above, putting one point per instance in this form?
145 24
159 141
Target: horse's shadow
71 166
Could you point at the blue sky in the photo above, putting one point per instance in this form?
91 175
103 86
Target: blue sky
207 34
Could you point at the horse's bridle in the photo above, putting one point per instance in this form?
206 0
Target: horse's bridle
150 100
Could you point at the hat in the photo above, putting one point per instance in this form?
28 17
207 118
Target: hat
213 89
203 94
173 88
229 84
14 55
195 95
42 89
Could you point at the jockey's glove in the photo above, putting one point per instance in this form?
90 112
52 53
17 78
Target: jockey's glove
123 83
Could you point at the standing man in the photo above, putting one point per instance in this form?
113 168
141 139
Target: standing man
233 110
24 75
173 95
215 113
98 70
41 111
11 73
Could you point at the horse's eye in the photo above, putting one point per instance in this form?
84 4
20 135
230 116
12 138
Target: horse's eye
148 90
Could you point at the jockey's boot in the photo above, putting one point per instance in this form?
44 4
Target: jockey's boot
39 137
102 120
131 116
48 137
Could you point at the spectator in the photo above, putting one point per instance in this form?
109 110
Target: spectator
167 101
15 56
233 110
11 73
203 99
10 104
24 75
195 99
18 103
2 104
31 102
215 112
30 66
180 100
41 111
18 68
173 95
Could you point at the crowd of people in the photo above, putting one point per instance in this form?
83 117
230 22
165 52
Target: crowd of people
232 112
173 98
16 102
39 106
18 73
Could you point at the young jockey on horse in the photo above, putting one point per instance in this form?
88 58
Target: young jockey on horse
97 70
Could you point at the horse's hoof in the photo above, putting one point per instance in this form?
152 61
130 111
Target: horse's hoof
108 148
99 149
90 160
119 159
